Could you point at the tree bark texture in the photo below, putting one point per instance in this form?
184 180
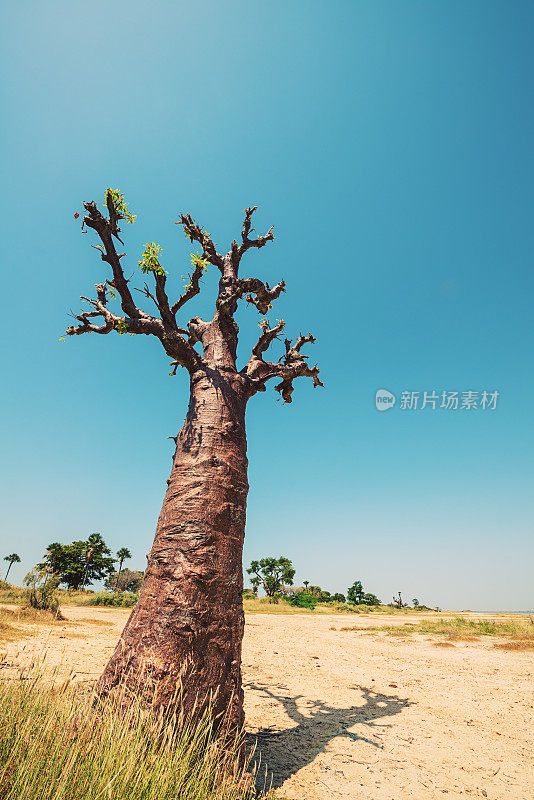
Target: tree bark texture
188 623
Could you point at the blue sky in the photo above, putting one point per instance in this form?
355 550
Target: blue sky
391 146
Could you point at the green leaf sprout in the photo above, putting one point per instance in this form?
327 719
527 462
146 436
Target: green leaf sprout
150 259
117 198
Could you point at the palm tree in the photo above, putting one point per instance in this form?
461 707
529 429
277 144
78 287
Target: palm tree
14 558
122 555
88 553
306 584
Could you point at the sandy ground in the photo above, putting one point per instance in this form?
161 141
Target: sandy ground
354 714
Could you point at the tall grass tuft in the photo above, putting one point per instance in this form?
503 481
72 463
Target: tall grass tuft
55 744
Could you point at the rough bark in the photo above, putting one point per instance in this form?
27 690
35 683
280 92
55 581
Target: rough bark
187 627
188 623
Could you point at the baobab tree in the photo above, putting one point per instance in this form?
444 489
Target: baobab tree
187 626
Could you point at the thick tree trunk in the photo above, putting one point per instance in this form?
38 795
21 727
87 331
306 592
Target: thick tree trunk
187 626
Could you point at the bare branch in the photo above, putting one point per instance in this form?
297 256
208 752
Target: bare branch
195 233
106 229
292 364
147 293
136 320
87 327
173 342
162 300
233 258
114 217
267 336
260 241
192 288
177 342
111 321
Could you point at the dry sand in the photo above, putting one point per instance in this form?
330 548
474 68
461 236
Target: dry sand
354 714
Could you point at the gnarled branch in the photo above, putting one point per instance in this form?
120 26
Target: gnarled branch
237 251
268 335
259 294
290 366
106 229
112 322
162 300
135 320
192 288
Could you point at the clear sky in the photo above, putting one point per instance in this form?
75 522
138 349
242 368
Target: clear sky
391 144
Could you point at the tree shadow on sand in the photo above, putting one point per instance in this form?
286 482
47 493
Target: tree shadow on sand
284 752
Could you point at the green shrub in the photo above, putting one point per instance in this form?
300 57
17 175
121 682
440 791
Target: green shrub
118 599
370 599
43 594
337 598
303 600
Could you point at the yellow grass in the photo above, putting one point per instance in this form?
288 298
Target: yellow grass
57 745
8 633
11 621
462 629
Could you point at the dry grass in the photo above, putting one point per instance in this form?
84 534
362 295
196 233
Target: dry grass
56 746
406 629
20 596
10 622
462 630
31 615
261 605
9 634
459 637
21 623
516 644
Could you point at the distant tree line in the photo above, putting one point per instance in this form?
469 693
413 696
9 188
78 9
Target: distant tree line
275 577
78 564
